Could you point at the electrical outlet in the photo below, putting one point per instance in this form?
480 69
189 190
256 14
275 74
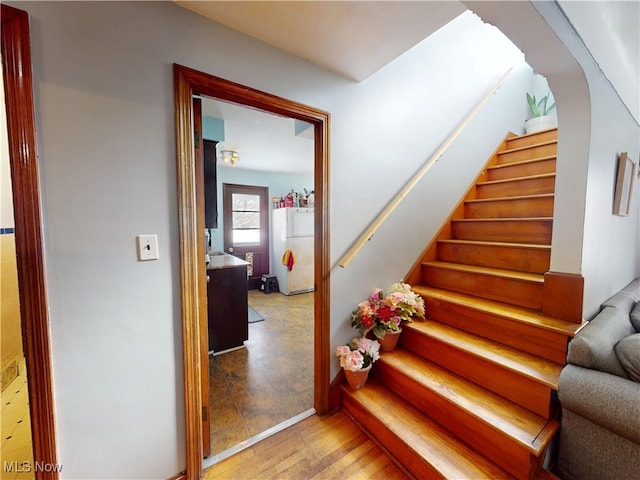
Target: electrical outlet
147 247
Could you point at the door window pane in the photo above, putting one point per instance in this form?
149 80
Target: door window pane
246 236
245 219
241 201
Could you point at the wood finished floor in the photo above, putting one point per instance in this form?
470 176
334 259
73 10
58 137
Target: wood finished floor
271 380
319 447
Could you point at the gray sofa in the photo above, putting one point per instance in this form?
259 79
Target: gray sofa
599 391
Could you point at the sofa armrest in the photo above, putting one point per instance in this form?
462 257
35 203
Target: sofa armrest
593 346
607 400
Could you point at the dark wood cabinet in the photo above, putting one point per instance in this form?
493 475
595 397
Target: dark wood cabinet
210 184
227 306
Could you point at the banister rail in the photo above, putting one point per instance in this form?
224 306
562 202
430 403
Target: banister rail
380 219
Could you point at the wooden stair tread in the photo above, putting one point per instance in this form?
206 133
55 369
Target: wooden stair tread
494 272
521 162
516 179
534 246
511 312
510 199
447 454
515 136
527 147
504 219
514 421
530 366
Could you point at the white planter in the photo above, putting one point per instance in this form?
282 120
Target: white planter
537 124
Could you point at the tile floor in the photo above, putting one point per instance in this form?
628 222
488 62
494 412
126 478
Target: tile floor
16 431
271 380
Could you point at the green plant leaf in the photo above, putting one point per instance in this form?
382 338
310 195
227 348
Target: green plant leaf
531 100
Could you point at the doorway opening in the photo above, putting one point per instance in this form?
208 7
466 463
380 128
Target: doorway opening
187 83
263 381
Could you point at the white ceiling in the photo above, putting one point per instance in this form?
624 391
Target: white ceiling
264 142
357 38
351 38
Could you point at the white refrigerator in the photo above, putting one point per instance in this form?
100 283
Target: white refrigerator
292 243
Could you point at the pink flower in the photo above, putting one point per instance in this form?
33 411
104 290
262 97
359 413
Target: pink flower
354 361
376 293
370 347
393 300
343 351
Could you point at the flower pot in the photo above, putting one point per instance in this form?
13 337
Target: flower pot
537 124
358 378
389 341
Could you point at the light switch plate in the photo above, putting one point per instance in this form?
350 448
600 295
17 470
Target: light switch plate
147 247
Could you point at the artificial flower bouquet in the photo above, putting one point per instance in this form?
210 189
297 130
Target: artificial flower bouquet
358 354
381 313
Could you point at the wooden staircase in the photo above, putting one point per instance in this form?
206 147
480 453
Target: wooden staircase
469 392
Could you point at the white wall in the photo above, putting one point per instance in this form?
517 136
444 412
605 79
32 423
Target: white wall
611 247
104 107
609 30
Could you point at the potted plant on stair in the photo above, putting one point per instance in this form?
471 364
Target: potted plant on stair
540 118
382 315
357 358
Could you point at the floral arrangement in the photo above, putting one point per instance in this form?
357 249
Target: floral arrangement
381 313
358 354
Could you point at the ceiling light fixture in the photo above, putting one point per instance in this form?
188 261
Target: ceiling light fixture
229 156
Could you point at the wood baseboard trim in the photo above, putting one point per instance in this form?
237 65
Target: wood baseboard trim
335 393
563 296
179 476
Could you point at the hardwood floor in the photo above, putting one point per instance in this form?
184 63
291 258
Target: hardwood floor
319 447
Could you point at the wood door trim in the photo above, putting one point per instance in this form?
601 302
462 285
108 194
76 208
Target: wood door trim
21 129
188 82
203 316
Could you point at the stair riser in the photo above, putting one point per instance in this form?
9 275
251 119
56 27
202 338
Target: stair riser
496 378
547 344
513 291
538 232
529 140
527 169
400 451
533 260
486 439
520 208
514 188
529 153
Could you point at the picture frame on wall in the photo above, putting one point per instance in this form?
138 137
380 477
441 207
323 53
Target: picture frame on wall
624 185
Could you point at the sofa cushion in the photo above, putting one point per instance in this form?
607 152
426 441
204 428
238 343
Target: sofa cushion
634 316
628 353
593 346
625 301
633 289
626 298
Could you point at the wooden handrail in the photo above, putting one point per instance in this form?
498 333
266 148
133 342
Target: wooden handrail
371 230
